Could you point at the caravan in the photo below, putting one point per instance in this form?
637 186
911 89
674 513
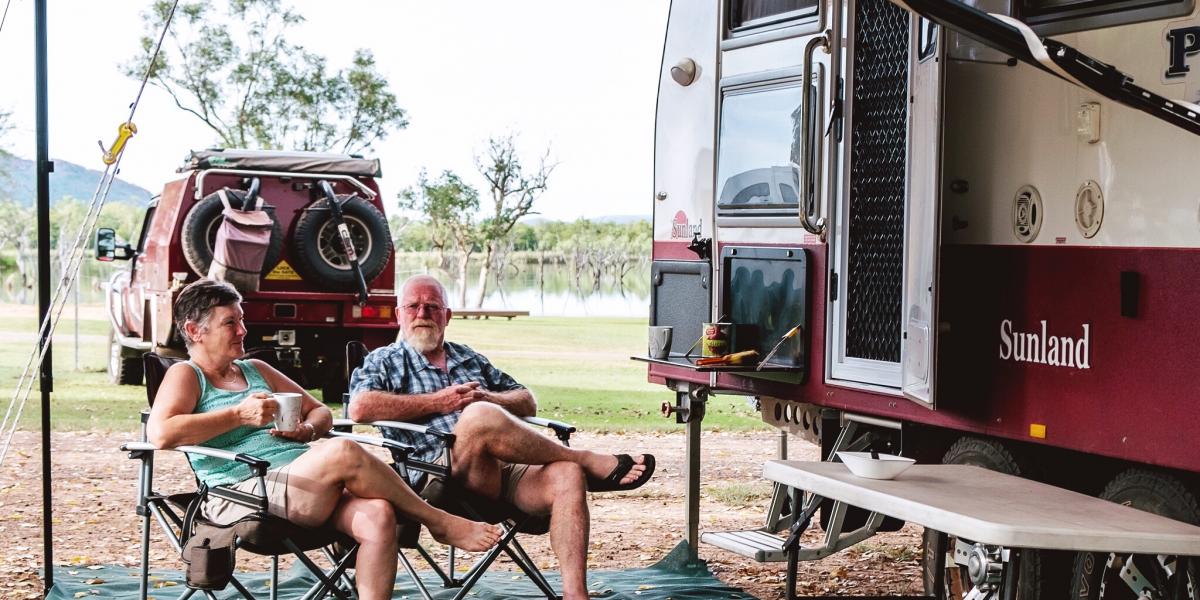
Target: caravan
984 219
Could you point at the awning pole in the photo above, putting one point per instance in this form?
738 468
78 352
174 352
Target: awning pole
44 167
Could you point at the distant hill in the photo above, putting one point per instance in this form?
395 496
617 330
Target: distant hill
17 182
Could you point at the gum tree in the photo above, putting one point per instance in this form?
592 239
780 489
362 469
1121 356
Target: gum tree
230 65
450 205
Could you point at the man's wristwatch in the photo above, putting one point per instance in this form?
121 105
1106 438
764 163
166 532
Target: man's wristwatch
312 431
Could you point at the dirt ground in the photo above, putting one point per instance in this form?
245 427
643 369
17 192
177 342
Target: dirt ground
95 523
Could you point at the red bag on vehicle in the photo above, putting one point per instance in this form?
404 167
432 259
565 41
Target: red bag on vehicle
241 245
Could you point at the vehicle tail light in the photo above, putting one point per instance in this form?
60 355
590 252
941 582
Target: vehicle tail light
371 312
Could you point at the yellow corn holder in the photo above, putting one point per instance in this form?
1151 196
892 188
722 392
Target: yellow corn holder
124 132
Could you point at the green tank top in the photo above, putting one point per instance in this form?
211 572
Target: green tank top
256 441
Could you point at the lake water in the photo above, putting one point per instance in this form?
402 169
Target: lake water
553 292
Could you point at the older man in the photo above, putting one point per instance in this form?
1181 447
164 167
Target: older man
427 380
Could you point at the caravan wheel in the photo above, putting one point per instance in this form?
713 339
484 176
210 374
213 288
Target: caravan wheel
1137 576
1036 580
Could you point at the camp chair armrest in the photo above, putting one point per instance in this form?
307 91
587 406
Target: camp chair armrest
562 430
259 465
445 437
393 445
138 447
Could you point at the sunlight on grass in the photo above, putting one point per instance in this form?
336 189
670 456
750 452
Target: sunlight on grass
739 494
579 368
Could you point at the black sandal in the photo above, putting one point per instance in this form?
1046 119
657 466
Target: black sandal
612 483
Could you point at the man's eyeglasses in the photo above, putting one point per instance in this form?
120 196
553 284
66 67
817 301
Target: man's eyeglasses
415 307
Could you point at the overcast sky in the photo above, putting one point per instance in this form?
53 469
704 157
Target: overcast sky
579 77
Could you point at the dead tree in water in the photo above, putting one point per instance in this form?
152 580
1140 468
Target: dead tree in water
513 189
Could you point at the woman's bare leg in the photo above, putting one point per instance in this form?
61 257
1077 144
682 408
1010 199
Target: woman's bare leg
317 478
372 523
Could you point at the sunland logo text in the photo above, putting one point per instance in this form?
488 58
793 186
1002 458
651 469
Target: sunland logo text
1045 349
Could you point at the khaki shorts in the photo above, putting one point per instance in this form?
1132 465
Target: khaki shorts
510 476
222 511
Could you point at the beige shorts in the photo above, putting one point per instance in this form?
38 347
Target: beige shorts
220 510
510 476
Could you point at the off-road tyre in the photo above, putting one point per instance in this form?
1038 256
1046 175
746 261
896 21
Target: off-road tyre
317 249
1036 581
124 368
1150 491
199 233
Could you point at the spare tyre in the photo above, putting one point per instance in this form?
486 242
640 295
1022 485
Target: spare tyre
200 232
317 248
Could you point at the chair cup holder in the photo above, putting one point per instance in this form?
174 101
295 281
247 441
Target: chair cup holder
209 568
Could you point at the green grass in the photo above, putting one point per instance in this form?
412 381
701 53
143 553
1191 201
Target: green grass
579 368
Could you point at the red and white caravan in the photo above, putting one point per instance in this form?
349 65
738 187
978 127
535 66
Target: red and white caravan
985 220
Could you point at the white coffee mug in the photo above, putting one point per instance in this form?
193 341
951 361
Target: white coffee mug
288 417
660 341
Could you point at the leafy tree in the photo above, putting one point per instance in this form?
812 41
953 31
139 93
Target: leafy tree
513 189
450 204
233 69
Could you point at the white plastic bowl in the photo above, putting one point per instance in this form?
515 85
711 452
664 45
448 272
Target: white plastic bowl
887 466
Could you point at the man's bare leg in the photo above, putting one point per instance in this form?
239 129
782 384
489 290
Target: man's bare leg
560 489
487 433
317 478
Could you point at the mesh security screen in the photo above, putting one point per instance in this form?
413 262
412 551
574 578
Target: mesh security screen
877 166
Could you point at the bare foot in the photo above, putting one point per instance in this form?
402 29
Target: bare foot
603 464
471 536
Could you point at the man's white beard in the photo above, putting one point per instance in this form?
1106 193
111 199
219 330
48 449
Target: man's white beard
424 339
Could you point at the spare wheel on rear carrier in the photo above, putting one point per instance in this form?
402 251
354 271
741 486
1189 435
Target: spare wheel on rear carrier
317 248
200 232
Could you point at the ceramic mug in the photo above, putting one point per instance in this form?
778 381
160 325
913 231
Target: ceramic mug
288 417
660 341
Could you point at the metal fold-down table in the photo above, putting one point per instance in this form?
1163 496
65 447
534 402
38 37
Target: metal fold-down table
1000 513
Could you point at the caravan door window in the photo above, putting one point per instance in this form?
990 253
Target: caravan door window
759 151
749 14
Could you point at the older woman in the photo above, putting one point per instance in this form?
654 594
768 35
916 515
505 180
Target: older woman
217 400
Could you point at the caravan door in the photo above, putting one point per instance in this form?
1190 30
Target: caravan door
884 235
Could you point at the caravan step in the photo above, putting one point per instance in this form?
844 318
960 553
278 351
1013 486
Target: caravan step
756 544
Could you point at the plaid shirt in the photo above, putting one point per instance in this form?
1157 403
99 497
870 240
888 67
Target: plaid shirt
400 369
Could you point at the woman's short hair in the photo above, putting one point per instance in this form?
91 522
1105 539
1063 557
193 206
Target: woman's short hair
197 301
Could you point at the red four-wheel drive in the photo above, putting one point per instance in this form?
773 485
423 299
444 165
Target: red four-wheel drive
310 300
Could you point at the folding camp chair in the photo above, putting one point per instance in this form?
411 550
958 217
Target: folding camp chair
261 533
445 493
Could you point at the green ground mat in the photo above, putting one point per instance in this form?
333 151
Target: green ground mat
672 578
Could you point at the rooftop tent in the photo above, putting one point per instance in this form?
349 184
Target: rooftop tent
289 162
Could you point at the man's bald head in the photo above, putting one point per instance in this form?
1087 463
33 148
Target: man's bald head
418 281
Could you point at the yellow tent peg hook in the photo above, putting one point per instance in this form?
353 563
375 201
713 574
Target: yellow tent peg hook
124 132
